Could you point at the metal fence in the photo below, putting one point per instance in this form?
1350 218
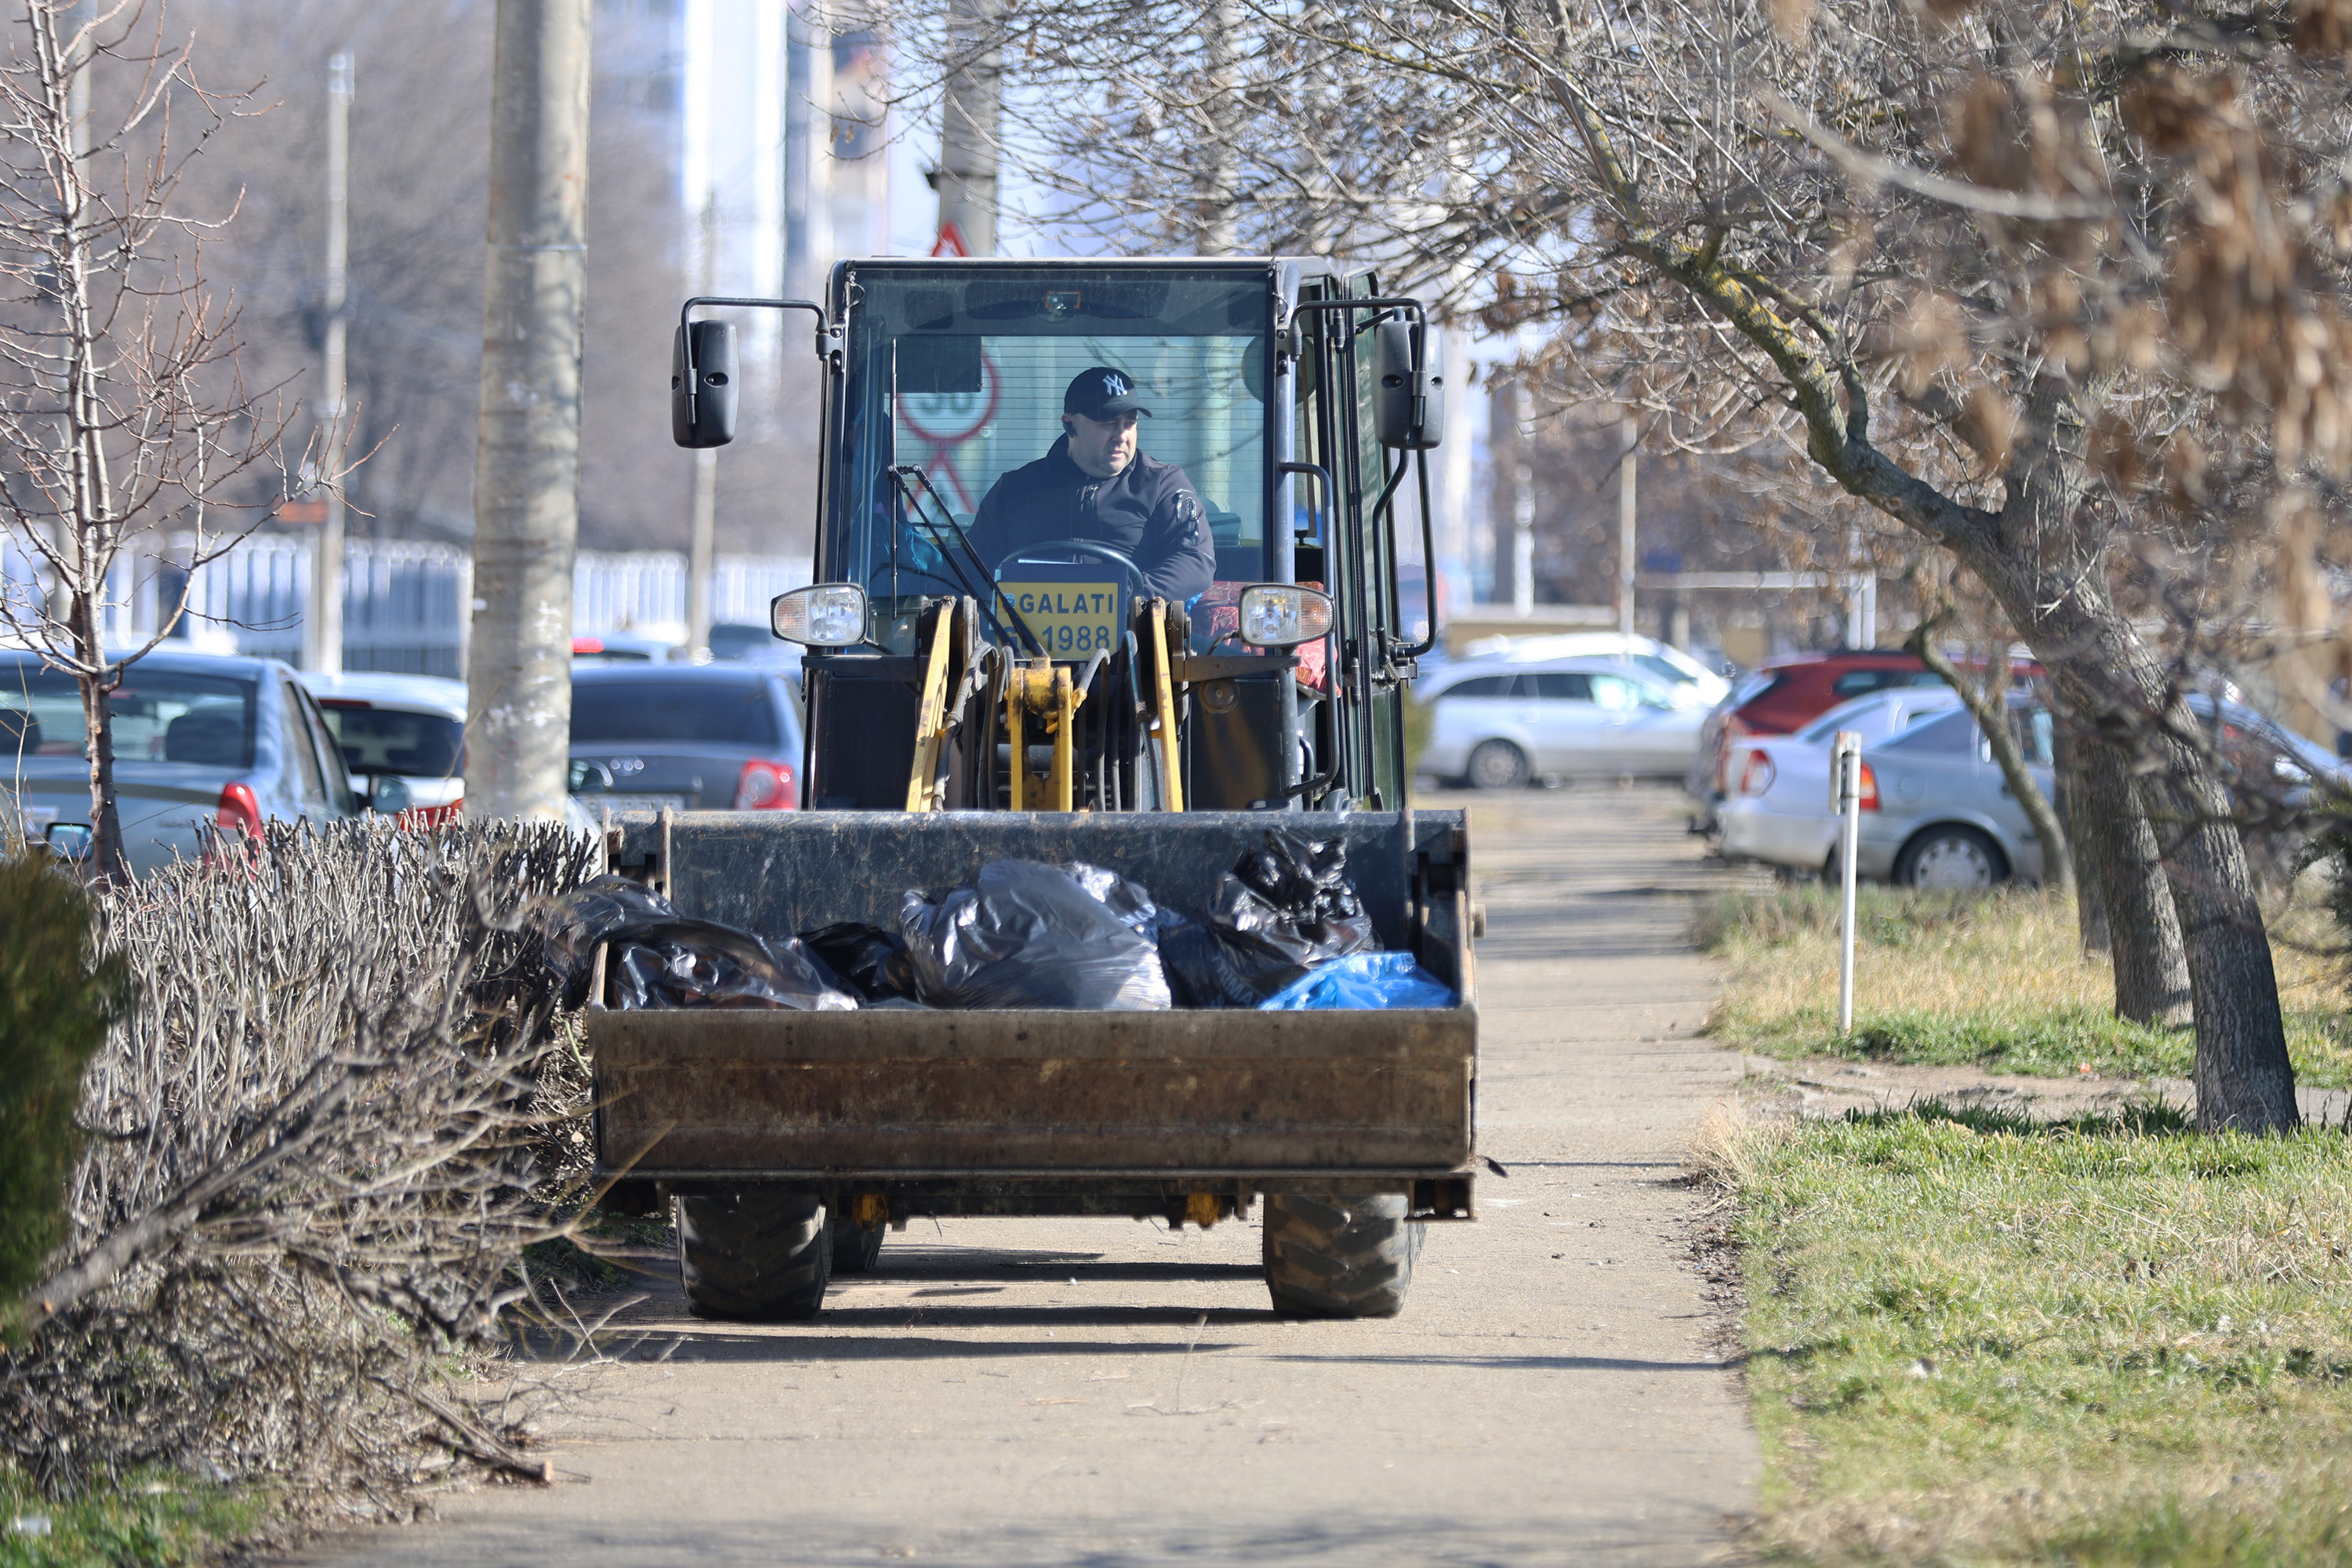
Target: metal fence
407 607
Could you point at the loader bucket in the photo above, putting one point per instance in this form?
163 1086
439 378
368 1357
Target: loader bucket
1040 1103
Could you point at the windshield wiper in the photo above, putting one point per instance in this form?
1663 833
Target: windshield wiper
901 474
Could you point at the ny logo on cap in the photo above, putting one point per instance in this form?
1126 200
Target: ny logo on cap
1114 384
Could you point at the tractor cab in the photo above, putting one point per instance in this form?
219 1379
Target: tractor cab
964 655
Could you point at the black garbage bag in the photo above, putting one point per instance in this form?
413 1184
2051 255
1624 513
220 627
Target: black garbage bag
872 959
1025 934
1286 907
661 959
591 915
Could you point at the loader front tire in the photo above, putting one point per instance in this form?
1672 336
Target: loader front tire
758 1254
1339 1256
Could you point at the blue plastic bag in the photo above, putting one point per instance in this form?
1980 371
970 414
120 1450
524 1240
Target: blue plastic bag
1362 980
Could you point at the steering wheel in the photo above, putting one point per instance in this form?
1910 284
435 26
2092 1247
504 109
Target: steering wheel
1135 584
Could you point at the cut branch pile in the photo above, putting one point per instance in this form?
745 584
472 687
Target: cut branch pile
315 1150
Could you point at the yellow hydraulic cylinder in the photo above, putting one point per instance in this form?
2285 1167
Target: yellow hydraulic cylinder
1043 689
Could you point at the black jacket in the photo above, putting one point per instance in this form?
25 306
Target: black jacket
1149 512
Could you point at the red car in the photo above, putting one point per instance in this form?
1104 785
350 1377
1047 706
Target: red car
1782 695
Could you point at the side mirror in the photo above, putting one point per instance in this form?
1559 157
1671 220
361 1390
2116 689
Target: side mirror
702 384
1277 615
824 614
388 796
1409 384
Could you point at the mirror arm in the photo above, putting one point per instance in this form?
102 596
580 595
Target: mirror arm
686 314
1428 565
1385 507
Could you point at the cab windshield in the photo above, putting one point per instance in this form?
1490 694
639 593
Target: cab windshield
956 377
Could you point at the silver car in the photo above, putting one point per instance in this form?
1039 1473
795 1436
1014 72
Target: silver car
198 738
1937 811
1503 723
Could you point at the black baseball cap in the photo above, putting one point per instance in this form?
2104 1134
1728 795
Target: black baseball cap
1100 391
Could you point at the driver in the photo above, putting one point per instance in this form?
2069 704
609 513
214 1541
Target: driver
1093 484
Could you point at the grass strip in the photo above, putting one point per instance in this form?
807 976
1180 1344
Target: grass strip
1977 1339
1992 981
151 1519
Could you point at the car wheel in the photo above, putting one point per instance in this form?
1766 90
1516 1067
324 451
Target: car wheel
1498 764
1951 857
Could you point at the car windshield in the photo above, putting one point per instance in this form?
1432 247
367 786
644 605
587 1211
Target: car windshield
1666 669
1872 717
717 713
158 716
390 740
960 378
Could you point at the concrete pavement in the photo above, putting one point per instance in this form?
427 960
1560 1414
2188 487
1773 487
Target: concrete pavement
1107 1393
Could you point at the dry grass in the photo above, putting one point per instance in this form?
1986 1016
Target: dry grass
1977 1339
1996 982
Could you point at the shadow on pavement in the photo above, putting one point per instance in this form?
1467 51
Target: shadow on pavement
717 1343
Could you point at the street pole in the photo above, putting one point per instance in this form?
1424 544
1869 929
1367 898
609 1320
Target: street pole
1628 434
322 629
702 518
971 111
527 463
1845 797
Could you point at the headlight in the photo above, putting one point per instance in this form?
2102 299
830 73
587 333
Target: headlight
1275 615
825 614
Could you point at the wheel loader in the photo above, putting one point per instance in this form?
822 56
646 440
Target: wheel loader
1044 707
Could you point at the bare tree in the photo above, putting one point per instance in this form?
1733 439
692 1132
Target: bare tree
2057 290
122 411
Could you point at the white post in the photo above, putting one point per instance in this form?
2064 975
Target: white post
1845 795
1629 435
324 626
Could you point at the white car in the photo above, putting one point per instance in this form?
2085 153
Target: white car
408 727
1778 807
1501 724
1689 682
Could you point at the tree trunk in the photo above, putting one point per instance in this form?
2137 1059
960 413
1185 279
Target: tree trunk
2050 578
98 723
2120 853
2090 897
2244 1081
2248 1085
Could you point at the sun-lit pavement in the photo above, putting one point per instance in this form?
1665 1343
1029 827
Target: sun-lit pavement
1104 1392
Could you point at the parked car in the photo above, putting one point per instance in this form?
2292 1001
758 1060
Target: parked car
198 738
1778 808
1782 695
411 728
1937 811
622 647
734 642
1690 683
1501 726
692 737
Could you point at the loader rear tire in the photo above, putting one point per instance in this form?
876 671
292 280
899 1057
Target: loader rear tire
855 1248
1339 1256
760 1254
